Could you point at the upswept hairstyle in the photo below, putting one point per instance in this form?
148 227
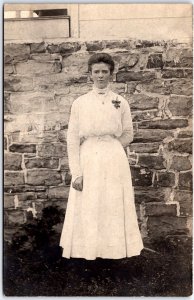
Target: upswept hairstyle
99 58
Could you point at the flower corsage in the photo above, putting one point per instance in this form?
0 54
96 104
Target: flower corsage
116 103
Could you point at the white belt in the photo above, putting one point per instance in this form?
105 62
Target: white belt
105 137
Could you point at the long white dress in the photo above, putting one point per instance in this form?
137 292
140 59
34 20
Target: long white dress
100 220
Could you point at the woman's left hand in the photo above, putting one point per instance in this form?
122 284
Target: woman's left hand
82 140
78 184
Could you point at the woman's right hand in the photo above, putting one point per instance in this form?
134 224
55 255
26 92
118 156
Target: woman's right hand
78 184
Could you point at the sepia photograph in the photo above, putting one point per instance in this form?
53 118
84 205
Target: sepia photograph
97 149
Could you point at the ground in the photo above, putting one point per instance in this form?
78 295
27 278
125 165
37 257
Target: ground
34 266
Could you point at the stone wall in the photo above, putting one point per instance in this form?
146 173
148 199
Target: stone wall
41 82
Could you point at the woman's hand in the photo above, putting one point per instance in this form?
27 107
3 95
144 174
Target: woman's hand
78 184
82 140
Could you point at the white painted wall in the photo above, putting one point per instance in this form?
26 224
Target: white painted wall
143 21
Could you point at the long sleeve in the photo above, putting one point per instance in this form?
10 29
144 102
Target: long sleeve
73 142
127 136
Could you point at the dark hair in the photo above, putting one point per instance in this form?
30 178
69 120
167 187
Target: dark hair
99 58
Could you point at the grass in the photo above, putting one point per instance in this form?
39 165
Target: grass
33 266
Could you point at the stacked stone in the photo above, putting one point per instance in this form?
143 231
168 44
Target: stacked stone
41 82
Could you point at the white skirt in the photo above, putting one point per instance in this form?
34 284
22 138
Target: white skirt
101 220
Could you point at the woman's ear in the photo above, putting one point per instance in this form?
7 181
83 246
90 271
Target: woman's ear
90 76
111 77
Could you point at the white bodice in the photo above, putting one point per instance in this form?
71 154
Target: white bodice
98 115
94 114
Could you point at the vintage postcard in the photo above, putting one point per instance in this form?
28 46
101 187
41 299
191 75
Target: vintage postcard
97 149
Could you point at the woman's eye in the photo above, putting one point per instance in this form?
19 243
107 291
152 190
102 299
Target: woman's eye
103 72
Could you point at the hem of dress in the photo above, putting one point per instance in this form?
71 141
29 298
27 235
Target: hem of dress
136 253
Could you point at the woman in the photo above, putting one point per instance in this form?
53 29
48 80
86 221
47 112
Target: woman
101 218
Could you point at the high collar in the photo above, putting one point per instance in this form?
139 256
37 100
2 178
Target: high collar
100 92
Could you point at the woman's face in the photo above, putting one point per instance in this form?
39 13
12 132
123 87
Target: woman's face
100 75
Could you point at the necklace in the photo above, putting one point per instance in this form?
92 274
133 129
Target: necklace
101 93
102 98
